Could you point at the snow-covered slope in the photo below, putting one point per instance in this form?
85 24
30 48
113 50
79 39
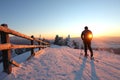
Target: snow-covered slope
63 63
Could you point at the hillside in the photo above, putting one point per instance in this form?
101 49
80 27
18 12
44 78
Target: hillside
63 63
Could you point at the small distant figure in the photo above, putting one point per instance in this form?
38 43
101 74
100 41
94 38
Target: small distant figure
87 36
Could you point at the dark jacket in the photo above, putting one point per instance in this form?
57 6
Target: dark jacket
86 35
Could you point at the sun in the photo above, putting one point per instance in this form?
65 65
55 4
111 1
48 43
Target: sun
90 36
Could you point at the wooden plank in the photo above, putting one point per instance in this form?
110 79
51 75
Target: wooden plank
26 46
5 46
14 63
39 52
10 31
13 46
13 32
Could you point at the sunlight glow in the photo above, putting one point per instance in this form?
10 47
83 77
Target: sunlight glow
99 30
90 36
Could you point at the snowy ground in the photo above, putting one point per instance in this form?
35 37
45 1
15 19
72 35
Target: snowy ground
63 63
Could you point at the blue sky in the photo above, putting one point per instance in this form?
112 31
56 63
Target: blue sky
62 17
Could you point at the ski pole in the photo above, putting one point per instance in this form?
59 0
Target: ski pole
80 53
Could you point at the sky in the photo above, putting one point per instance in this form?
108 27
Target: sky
49 18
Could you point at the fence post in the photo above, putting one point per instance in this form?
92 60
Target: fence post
39 44
6 54
32 42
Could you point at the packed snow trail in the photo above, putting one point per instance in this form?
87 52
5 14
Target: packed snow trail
63 63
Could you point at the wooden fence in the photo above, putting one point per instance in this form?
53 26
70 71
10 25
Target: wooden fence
6 46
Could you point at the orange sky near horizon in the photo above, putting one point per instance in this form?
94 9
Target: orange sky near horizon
76 32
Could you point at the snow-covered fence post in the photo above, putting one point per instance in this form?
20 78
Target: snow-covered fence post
6 54
32 42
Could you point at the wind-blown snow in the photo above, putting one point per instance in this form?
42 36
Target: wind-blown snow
63 63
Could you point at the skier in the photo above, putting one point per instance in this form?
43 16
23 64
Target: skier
87 36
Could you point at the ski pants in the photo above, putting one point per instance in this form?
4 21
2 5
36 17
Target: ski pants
87 45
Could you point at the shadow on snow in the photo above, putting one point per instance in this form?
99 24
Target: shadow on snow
79 74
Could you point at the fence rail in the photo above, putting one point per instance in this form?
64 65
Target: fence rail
6 46
13 46
13 32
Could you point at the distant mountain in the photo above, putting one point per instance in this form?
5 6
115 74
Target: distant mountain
19 40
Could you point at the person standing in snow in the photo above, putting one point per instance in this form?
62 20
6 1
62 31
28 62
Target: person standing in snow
87 36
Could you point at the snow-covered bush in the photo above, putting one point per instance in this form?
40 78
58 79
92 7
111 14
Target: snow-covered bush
59 41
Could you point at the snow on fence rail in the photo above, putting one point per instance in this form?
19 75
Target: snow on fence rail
6 46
